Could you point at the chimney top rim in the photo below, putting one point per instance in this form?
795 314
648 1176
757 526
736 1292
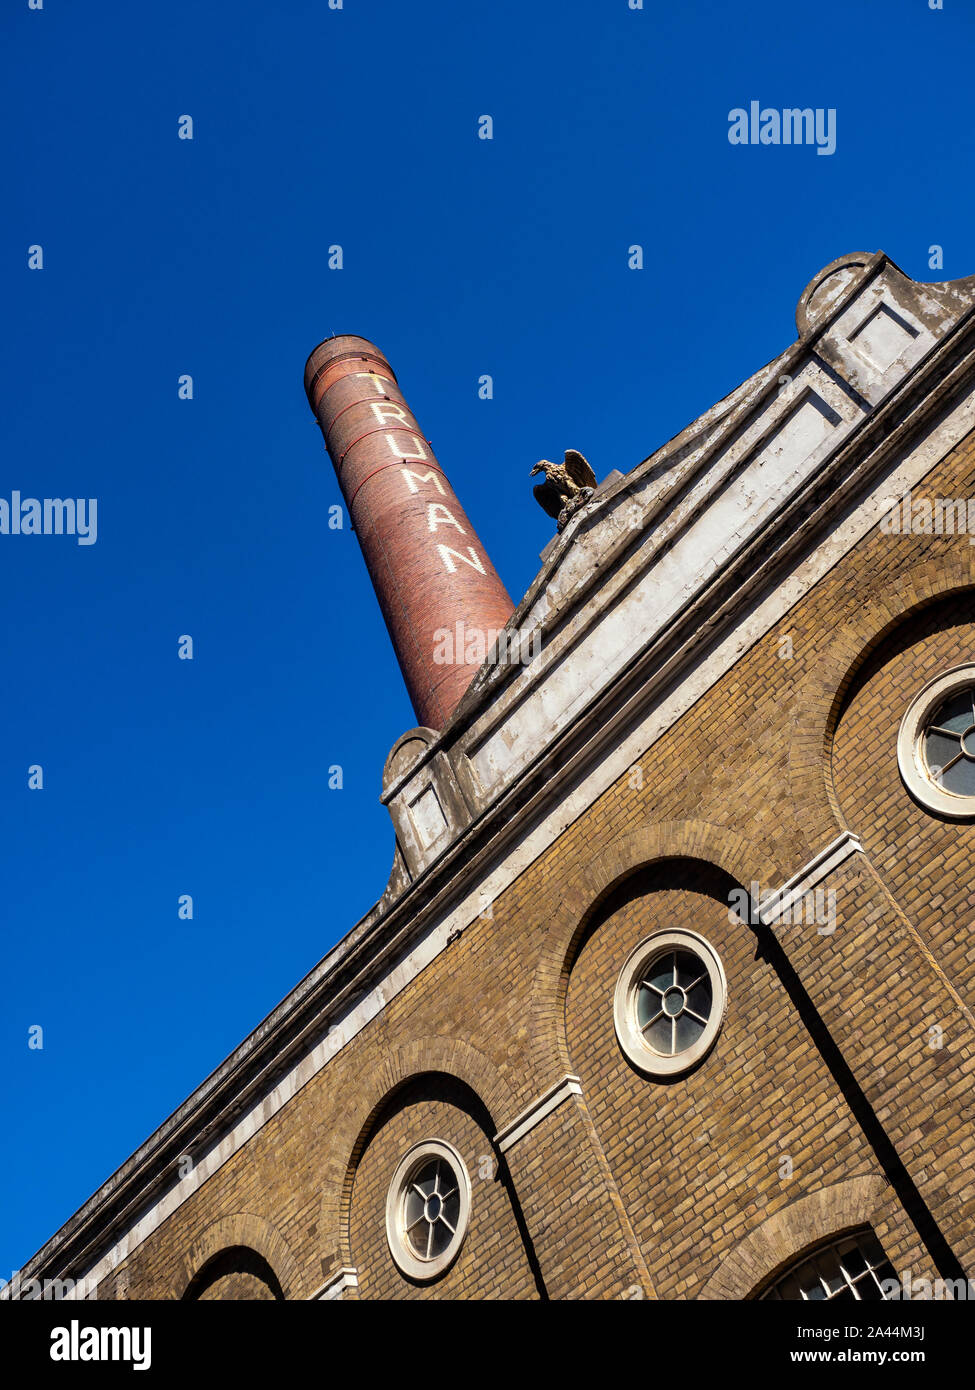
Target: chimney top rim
317 358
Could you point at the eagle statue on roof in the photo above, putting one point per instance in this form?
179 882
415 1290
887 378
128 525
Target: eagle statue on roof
566 488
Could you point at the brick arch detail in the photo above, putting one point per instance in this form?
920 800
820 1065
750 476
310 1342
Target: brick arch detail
780 1240
715 845
824 691
428 1056
241 1229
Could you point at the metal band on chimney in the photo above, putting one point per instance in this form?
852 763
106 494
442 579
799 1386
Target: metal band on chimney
427 565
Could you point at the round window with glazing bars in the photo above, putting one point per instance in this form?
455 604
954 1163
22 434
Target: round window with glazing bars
949 743
428 1209
669 1003
936 745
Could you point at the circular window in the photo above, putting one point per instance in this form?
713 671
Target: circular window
936 745
670 1000
427 1209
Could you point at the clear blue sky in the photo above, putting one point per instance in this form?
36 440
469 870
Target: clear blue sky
462 257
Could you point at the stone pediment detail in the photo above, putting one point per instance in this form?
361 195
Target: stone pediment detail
648 542
635 565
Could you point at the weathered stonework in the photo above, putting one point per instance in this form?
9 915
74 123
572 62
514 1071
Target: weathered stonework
731 639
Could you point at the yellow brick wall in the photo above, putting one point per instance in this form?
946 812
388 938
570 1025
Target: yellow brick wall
925 860
750 759
492 1262
760 1121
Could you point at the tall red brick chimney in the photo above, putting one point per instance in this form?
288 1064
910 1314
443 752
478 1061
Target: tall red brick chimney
428 568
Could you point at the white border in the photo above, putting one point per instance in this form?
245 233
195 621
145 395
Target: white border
910 754
533 1114
406 1261
333 1290
628 1032
915 465
819 867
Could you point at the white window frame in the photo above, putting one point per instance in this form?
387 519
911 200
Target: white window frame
406 1258
631 1039
910 746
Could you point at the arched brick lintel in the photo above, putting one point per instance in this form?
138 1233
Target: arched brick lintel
824 692
783 1237
423 1057
242 1229
714 845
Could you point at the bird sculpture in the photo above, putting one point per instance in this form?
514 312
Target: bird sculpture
566 488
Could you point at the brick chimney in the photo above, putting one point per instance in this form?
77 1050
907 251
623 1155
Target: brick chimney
428 568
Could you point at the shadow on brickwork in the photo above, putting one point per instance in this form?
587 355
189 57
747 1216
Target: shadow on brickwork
944 1258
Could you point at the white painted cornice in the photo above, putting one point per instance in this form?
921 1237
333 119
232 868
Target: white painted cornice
578 722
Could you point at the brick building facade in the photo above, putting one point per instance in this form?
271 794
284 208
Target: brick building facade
670 992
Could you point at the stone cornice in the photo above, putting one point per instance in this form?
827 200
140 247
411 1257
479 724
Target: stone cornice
388 930
538 1110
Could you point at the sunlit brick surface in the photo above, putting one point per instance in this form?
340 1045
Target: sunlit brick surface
659 1187
427 565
